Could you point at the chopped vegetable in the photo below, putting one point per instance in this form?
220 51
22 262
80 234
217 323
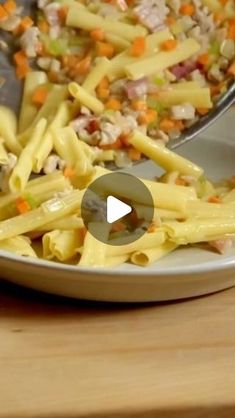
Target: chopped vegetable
169 44
40 95
138 47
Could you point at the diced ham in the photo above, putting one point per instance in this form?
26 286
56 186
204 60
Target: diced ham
51 164
184 69
136 89
109 133
152 14
51 13
29 41
221 245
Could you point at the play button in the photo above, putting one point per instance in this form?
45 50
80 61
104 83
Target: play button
117 208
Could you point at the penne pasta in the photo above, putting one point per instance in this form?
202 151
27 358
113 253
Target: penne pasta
94 252
71 150
148 240
83 19
97 74
49 211
41 189
28 111
62 117
61 245
210 210
163 156
68 223
3 153
18 245
199 230
162 60
21 172
56 95
120 61
85 98
8 127
199 97
149 256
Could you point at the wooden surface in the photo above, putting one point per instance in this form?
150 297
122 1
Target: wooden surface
61 358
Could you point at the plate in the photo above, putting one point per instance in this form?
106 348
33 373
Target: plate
185 273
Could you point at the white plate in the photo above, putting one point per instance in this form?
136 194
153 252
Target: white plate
185 273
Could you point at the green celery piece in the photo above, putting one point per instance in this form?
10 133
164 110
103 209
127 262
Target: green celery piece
159 81
155 104
55 47
214 48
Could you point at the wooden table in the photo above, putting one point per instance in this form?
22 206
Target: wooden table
62 358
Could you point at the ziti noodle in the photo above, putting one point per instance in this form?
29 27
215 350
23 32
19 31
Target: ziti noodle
152 65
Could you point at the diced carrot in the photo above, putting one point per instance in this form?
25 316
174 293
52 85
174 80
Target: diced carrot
223 2
97 34
202 110
102 89
216 89
10 6
69 172
167 124
203 59
179 124
139 105
19 58
187 9
125 140
218 17
134 154
83 66
231 31
43 26
62 13
170 20
169 44
102 94
150 116
39 96
138 47
113 104
22 70
118 227
231 69
104 49
22 206
25 23
115 145
53 76
3 13
214 199
104 83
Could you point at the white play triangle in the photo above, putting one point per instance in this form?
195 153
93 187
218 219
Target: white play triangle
116 209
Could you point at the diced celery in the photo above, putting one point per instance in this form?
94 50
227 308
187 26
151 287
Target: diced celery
55 47
159 81
155 104
214 48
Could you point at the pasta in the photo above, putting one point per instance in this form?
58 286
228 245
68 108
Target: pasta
28 111
114 82
162 60
23 168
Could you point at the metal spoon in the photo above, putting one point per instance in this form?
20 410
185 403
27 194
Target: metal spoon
223 104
